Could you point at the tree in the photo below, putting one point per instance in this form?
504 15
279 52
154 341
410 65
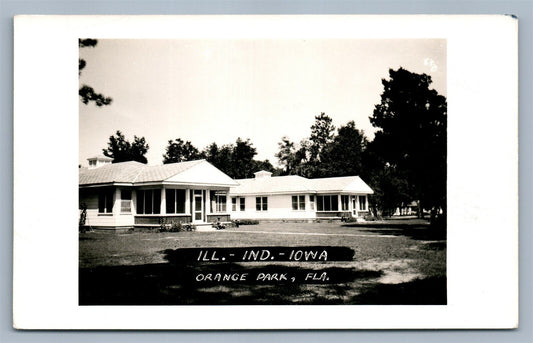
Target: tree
243 159
411 139
344 155
237 160
293 157
180 151
220 157
121 150
265 165
322 132
87 93
287 155
391 189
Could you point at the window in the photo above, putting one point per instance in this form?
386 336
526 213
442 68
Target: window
261 203
298 202
327 203
220 199
125 201
149 201
312 202
105 201
175 199
234 204
345 200
362 203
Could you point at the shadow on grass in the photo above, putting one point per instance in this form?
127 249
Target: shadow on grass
86 238
429 291
168 284
396 224
417 233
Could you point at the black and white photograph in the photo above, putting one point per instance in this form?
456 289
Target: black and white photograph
265 172
262 172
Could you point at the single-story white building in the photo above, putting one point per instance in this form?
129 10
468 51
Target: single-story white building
128 194
270 197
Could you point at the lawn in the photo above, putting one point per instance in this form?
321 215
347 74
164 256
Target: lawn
393 263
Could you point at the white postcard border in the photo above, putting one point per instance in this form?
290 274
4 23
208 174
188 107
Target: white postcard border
482 266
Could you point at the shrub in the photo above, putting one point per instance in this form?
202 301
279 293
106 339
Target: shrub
83 217
246 222
166 225
163 225
176 226
371 218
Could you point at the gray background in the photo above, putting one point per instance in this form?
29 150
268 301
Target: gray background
523 9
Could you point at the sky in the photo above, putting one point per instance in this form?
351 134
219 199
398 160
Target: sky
207 91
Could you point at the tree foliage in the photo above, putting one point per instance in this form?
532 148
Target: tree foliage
180 151
406 160
243 159
236 160
305 158
266 165
287 155
322 132
122 150
411 139
293 157
343 156
87 93
390 187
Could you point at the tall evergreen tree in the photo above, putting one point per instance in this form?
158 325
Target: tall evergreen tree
322 132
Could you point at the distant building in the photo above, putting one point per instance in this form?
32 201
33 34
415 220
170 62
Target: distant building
132 194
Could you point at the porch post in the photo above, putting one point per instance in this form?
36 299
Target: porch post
207 201
134 201
116 202
188 201
163 209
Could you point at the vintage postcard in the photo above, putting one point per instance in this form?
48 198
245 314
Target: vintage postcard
266 172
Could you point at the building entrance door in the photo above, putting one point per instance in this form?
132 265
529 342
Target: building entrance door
198 207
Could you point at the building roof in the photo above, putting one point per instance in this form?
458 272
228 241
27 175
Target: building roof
297 184
124 172
352 184
274 184
165 171
136 173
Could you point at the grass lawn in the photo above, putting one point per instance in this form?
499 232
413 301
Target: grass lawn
392 264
